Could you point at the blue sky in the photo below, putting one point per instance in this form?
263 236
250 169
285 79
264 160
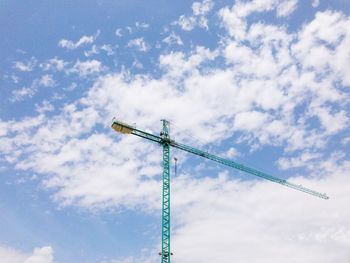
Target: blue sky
265 83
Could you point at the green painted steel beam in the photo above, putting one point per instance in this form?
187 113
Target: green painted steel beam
247 169
218 159
165 254
165 140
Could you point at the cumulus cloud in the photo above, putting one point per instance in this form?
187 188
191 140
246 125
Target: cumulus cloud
39 255
269 90
222 219
237 218
299 161
235 18
323 45
252 100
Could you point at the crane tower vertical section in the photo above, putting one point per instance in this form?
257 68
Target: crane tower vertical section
165 137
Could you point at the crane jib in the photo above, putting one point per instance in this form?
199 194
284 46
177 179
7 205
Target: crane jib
247 169
128 129
165 141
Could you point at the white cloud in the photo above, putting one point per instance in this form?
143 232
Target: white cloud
269 91
39 255
332 122
14 78
140 44
118 32
258 66
88 67
346 140
223 220
315 3
177 64
285 8
3 129
10 255
202 8
250 120
300 161
25 66
28 92
22 93
141 25
173 39
282 7
108 49
46 106
231 152
137 64
129 29
275 223
198 17
235 19
187 23
54 64
266 95
97 50
93 51
64 43
323 45
254 97
46 81
84 40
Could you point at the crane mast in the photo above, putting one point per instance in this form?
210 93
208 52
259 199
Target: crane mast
166 142
165 254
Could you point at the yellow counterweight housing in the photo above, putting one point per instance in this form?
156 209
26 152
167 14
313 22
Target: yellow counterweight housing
122 128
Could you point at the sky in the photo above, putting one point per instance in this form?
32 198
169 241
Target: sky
262 82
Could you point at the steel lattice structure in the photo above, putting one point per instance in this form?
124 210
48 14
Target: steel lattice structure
165 140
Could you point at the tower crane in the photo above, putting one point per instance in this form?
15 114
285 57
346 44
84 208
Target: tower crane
165 141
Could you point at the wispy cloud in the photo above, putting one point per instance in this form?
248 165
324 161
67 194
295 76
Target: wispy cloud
315 3
85 68
118 32
198 17
140 44
25 66
141 25
108 49
84 40
173 39
22 93
29 92
54 64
